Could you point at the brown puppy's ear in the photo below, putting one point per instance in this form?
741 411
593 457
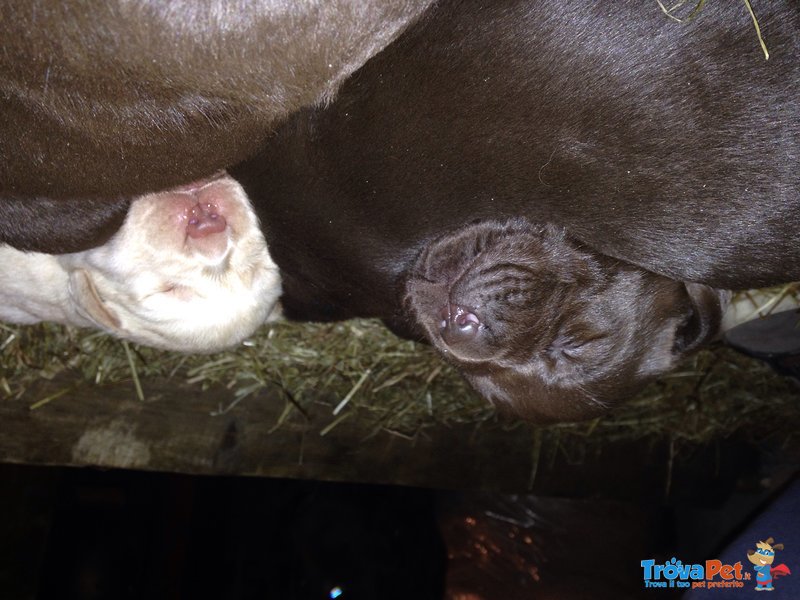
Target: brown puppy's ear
751 552
777 546
703 322
83 292
769 541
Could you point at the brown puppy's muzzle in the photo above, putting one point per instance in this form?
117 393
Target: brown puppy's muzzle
461 329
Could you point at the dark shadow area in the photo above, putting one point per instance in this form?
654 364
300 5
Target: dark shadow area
88 534
126 534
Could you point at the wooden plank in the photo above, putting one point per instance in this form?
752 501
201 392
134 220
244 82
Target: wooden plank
182 429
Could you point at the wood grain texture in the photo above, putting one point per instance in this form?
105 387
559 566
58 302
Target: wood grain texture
180 428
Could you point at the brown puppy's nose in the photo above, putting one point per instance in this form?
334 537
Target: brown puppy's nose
458 325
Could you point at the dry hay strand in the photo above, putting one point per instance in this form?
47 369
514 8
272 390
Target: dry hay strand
693 10
395 383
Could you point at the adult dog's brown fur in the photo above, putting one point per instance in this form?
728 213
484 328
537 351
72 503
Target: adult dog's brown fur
671 146
118 98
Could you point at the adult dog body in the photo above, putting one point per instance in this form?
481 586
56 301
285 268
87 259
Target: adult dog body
670 146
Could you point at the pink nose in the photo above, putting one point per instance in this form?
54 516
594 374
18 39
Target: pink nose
204 220
458 325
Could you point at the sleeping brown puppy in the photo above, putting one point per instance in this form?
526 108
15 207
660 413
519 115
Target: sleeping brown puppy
539 324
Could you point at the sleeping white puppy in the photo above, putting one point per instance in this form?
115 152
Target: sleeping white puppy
189 270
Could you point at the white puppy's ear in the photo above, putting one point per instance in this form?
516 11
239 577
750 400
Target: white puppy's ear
84 293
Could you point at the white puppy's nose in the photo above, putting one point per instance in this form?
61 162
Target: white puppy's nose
204 220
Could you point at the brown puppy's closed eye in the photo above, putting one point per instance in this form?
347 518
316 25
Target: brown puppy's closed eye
554 331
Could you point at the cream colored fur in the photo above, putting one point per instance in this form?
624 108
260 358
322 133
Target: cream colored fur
152 283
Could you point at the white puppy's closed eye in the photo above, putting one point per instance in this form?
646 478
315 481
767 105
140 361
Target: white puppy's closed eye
189 270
